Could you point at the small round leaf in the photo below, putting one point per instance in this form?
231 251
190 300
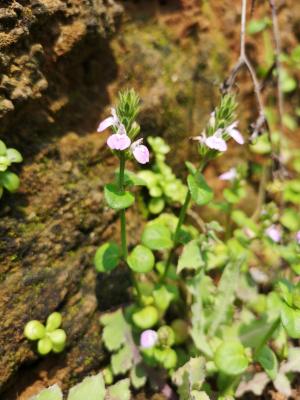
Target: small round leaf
141 259
230 358
107 257
14 156
10 181
157 237
44 346
58 337
116 199
53 321
145 318
34 330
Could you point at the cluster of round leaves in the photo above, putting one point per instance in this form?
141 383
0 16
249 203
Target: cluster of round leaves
162 184
8 180
162 353
50 337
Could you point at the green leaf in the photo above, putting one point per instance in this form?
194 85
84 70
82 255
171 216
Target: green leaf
163 297
290 319
138 376
122 361
157 237
190 377
156 205
251 334
115 330
146 317
130 178
230 358
268 361
191 257
225 294
141 259
14 156
258 25
2 148
91 388
290 219
10 181
200 191
51 393
118 391
116 199
107 257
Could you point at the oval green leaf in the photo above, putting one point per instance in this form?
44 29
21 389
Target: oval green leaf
230 358
141 259
116 199
157 237
146 317
200 191
107 257
10 181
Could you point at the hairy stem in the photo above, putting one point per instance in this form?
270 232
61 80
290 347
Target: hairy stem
122 212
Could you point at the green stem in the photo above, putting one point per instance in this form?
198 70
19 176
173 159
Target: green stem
177 231
267 336
122 212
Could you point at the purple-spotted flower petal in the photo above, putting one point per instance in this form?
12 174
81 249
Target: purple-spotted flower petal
274 233
148 339
232 131
113 120
216 141
140 151
298 237
229 175
118 141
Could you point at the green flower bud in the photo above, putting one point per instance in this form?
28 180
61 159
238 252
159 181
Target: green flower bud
58 337
44 346
166 336
53 321
34 330
108 376
181 330
146 317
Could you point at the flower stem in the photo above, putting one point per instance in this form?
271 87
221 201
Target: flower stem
267 336
122 212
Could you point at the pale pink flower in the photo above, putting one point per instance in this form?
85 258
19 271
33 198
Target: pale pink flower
216 141
113 120
119 140
140 151
232 131
229 175
298 237
148 339
274 233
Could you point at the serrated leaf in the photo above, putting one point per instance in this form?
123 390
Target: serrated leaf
118 391
115 330
225 294
91 388
290 319
157 237
200 191
190 377
122 361
107 257
191 257
116 199
230 358
141 259
268 361
138 376
254 383
52 393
